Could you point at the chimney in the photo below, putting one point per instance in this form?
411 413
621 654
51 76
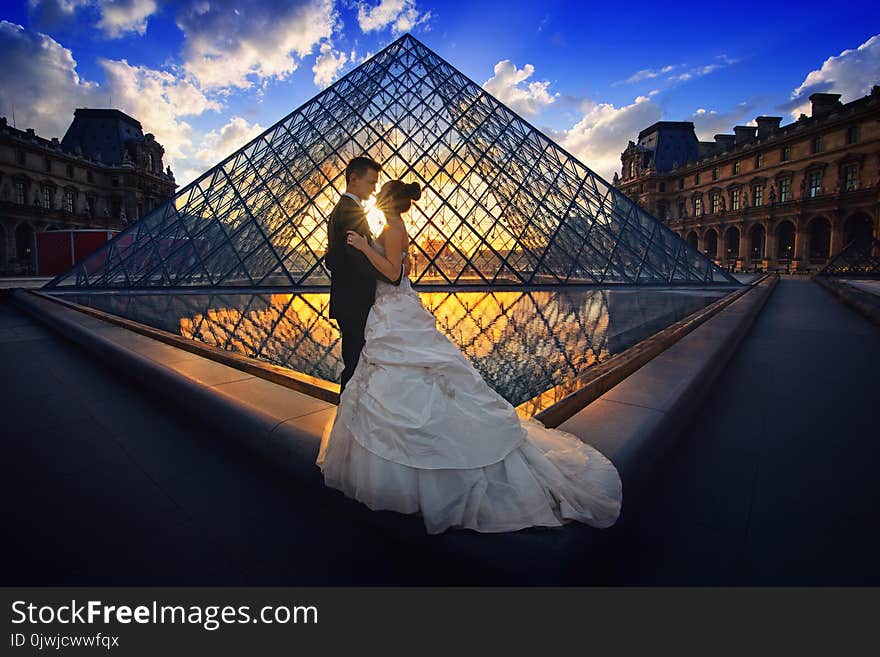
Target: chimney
767 125
30 131
725 141
824 103
744 133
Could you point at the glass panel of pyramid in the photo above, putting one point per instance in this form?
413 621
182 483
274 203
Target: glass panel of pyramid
502 204
860 259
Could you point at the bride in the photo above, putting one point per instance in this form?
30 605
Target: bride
418 429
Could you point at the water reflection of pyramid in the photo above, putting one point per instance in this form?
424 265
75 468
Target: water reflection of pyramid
502 203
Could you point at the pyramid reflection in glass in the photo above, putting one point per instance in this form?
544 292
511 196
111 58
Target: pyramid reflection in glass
502 204
522 342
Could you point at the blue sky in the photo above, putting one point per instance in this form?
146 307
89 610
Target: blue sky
205 76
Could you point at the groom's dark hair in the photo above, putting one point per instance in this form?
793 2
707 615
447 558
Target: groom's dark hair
359 166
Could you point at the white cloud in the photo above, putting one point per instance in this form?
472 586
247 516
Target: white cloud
228 42
852 73
401 15
158 99
328 64
40 74
602 134
647 74
116 18
216 145
708 123
119 17
722 61
507 86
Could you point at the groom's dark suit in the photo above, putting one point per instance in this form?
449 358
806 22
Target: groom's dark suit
352 280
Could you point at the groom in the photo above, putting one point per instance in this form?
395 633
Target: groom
352 277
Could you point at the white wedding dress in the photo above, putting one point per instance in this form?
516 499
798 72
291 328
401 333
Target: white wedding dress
419 430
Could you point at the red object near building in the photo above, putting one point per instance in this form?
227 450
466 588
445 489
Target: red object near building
59 250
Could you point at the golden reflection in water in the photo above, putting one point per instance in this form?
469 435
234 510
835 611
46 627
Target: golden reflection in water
523 343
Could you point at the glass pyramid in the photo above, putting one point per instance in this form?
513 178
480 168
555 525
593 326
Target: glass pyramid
856 260
501 204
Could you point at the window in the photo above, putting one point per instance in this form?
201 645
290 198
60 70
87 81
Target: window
698 206
736 168
681 210
759 160
815 184
784 190
663 187
716 203
19 192
68 200
681 183
758 193
734 200
19 157
852 134
70 171
696 178
816 145
90 206
115 181
90 176
851 177
47 163
714 173
786 153
150 161
47 198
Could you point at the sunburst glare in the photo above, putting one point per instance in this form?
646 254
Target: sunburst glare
375 217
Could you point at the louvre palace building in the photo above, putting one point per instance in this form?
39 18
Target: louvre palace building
105 173
768 197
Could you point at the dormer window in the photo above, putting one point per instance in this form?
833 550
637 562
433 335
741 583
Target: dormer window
151 163
759 160
816 145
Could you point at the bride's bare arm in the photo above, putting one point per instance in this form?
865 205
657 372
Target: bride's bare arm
388 264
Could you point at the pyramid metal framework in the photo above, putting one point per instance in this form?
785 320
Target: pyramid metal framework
857 260
502 204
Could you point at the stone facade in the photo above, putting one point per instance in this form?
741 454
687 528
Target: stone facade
768 197
105 173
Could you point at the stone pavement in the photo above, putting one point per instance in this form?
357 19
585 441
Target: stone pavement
776 480
105 485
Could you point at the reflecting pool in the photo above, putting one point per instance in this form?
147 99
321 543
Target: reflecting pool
522 342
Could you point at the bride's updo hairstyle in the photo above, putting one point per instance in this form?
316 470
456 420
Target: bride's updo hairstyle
397 196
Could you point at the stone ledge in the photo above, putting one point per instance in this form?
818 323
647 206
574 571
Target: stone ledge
861 301
637 421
